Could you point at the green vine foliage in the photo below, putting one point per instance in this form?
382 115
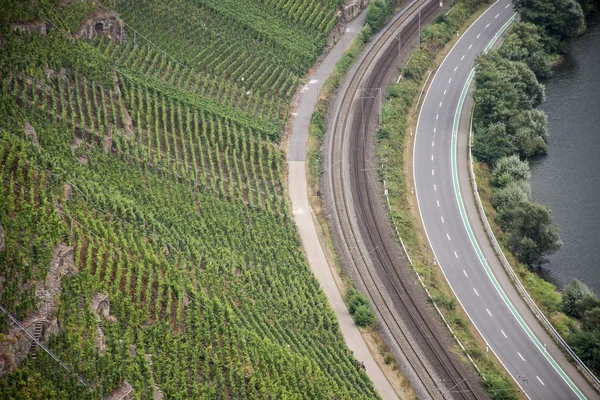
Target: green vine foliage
158 165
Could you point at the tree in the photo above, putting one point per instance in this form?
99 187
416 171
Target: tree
532 235
510 169
587 346
377 13
528 131
561 19
591 319
504 87
573 294
491 143
528 43
511 195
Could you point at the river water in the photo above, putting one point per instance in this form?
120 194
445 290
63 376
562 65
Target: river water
568 179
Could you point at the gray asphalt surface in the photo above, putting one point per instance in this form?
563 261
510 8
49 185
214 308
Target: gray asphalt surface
521 352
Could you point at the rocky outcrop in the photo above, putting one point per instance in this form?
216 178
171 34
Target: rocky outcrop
123 392
157 394
1 238
100 305
30 133
43 322
102 23
31 27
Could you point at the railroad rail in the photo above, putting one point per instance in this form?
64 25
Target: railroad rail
360 222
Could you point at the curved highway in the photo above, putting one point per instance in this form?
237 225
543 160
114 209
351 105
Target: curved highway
444 216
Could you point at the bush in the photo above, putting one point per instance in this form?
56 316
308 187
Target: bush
573 294
363 316
378 13
388 358
359 308
510 170
511 195
420 61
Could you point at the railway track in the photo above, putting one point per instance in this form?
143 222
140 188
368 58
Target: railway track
360 222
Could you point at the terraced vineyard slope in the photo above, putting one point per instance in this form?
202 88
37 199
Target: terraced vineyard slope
145 236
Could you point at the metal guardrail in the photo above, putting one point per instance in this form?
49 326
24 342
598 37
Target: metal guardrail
517 283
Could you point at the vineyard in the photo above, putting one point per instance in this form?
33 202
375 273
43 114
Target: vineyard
155 160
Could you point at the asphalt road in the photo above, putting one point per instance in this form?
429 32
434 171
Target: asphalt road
447 225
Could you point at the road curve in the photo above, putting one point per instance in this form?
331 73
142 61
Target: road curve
362 232
458 250
303 214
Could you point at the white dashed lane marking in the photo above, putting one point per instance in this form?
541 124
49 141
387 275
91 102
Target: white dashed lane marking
455 255
503 333
442 219
432 172
465 272
521 356
488 311
470 46
448 236
475 290
478 35
487 25
497 15
438 203
540 380
455 68
462 57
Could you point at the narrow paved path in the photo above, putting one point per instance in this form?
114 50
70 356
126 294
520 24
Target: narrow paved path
454 231
303 213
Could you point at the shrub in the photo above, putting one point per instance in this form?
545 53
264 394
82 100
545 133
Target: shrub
574 293
510 169
359 308
363 316
378 13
